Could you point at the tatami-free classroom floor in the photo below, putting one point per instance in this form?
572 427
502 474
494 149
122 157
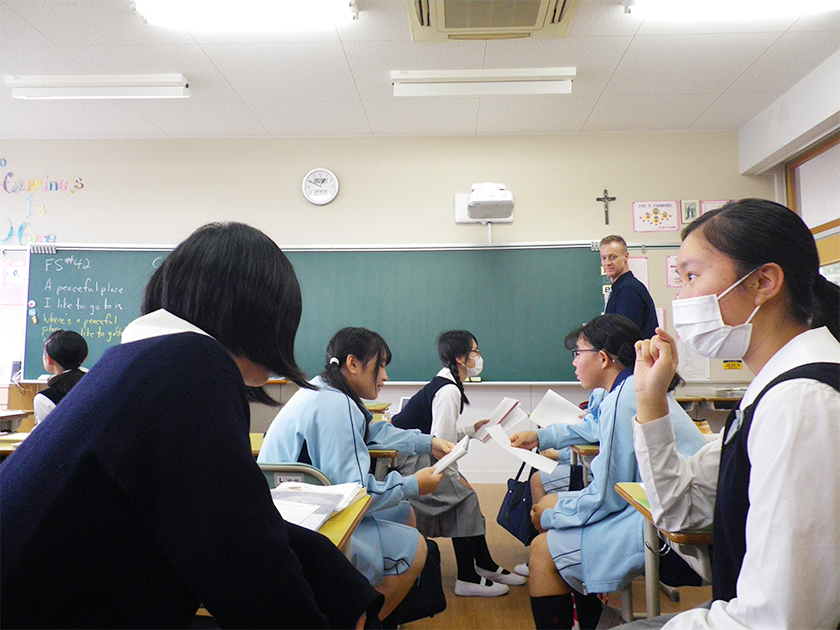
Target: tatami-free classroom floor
513 611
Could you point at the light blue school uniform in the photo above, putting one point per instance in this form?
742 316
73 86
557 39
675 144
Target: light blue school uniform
594 536
333 428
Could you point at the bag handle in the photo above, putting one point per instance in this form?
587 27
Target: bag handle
521 468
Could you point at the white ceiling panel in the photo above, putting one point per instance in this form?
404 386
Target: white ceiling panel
533 115
687 64
183 119
654 112
95 119
780 67
285 72
423 116
733 111
312 118
633 74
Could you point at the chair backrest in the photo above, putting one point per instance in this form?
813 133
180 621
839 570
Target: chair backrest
276 474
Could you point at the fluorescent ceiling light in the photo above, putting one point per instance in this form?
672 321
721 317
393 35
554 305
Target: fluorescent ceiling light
726 10
495 82
99 86
247 16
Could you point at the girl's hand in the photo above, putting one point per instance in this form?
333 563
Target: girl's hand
656 364
480 424
525 439
536 516
441 447
428 480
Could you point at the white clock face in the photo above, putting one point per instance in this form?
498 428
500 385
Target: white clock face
320 186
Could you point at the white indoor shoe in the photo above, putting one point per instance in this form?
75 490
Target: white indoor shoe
508 578
484 588
522 569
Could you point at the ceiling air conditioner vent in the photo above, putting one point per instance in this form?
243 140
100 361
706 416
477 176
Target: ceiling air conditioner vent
442 20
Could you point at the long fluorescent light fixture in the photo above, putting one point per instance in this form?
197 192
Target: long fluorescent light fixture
494 82
248 16
99 86
726 10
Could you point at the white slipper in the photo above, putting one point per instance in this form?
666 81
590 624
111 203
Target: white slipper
497 576
484 588
522 569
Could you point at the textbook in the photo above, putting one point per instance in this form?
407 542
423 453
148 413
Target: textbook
554 408
310 505
457 452
505 414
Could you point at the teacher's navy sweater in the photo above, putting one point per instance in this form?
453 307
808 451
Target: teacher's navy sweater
138 498
629 297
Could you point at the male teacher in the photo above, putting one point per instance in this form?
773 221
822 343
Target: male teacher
628 296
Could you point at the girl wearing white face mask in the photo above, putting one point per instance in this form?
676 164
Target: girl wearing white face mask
752 290
452 510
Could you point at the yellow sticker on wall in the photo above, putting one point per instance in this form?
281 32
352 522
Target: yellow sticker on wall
735 364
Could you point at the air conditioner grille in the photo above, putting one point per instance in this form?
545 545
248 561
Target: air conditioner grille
461 14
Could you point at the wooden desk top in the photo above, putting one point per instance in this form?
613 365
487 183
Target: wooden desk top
256 442
377 453
586 450
9 442
340 527
13 414
635 495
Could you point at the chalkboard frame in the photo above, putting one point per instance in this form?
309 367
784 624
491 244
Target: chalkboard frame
520 325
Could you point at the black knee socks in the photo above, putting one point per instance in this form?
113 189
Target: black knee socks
589 608
553 612
465 559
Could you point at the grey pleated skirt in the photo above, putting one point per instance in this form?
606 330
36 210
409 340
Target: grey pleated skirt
451 511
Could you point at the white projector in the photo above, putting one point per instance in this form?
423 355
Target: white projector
489 201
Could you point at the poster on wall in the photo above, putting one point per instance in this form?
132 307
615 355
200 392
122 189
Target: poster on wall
13 282
639 266
673 277
708 206
656 216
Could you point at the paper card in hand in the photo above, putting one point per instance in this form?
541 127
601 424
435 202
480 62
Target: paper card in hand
554 408
500 414
457 452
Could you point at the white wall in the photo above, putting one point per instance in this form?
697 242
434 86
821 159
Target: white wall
393 191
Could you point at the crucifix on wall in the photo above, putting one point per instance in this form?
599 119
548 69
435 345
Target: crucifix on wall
606 201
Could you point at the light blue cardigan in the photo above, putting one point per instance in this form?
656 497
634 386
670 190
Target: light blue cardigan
334 429
611 541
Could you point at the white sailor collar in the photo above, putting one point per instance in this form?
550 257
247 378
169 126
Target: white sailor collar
157 324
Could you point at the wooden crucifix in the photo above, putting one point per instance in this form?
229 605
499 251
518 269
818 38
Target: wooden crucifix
606 201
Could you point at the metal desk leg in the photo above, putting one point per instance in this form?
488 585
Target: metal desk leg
651 570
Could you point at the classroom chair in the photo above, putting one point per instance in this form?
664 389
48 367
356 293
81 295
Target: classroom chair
278 473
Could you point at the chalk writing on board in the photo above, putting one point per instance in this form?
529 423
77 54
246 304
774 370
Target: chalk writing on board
92 307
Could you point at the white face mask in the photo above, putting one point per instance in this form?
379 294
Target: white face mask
699 323
479 365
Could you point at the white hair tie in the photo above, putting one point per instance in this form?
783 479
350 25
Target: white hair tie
334 361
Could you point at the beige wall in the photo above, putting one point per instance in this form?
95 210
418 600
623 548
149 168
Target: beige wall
393 190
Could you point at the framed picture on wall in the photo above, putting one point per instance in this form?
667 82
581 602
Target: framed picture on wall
689 210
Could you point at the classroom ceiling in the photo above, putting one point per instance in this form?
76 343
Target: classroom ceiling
632 74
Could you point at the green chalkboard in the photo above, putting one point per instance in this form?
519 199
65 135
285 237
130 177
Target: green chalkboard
519 302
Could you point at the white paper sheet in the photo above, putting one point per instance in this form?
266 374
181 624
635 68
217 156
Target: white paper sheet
457 452
539 462
554 408
499 416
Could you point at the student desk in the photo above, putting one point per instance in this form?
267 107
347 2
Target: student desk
9 442
256 442
583 454
634 494
8 417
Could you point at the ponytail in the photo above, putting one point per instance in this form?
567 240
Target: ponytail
827 307
451 345
363 344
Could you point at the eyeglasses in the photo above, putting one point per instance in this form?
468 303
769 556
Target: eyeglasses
576 352
475 353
